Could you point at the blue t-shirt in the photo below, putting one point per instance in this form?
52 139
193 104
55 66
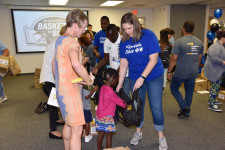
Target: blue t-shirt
2 47
138 53
99 40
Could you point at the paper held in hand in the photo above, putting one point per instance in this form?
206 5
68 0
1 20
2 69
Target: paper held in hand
52 98
77 80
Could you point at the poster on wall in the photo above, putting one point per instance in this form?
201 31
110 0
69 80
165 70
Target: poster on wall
33 29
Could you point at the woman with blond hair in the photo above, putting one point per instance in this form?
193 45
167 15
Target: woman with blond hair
67 66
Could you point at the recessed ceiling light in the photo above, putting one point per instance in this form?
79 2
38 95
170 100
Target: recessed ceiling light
58 2
111 3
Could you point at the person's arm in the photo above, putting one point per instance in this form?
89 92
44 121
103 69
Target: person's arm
114 98
122 73
6 52
173 60
92 92
95 52
53 66
153 58
85 60
200 60
214 53
78 67
102 63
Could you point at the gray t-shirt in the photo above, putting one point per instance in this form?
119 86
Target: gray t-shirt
86 102
88 52
188 49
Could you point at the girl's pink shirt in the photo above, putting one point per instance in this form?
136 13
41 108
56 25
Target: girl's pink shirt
108 101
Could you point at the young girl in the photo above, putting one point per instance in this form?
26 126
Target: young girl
106 108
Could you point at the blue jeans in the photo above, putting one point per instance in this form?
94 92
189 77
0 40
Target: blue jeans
1 88
189 85
126 86
154 90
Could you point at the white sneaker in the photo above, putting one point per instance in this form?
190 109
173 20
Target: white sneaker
136 138
96 107
88 138
3 98
163 144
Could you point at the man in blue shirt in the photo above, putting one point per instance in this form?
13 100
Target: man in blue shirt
100 37
5 52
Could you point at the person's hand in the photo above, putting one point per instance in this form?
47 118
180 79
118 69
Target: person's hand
118 88
96 88
87 97
139 82
169 75
97 54
95 70
128 107
92 79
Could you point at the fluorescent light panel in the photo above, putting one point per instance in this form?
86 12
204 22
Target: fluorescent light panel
111 3
58 2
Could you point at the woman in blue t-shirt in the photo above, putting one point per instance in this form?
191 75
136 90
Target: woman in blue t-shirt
139 50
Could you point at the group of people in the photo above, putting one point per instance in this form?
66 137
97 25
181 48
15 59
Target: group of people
135 59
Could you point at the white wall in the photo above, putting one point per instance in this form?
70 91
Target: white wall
28 62
160 19
115 16
222 18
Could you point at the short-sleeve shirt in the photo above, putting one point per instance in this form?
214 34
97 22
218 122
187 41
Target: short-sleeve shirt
188 49
2 47
137 54
113 50
99 40
88 52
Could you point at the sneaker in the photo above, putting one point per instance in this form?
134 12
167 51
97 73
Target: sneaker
163 144
214 108
3 98
96 107
136 138
216 102
88 138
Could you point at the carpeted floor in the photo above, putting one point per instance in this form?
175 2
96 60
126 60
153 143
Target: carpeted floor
22 129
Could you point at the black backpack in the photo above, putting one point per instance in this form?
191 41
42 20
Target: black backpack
131 117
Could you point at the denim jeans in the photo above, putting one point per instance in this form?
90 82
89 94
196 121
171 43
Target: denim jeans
154 90
126 86
189 85
165 77
1 88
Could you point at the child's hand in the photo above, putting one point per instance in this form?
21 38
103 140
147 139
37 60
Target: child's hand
87 97
128 107
96 88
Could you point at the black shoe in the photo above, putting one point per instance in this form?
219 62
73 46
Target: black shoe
184 112
52 136
60 123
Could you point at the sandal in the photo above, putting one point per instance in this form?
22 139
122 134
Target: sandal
42 107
